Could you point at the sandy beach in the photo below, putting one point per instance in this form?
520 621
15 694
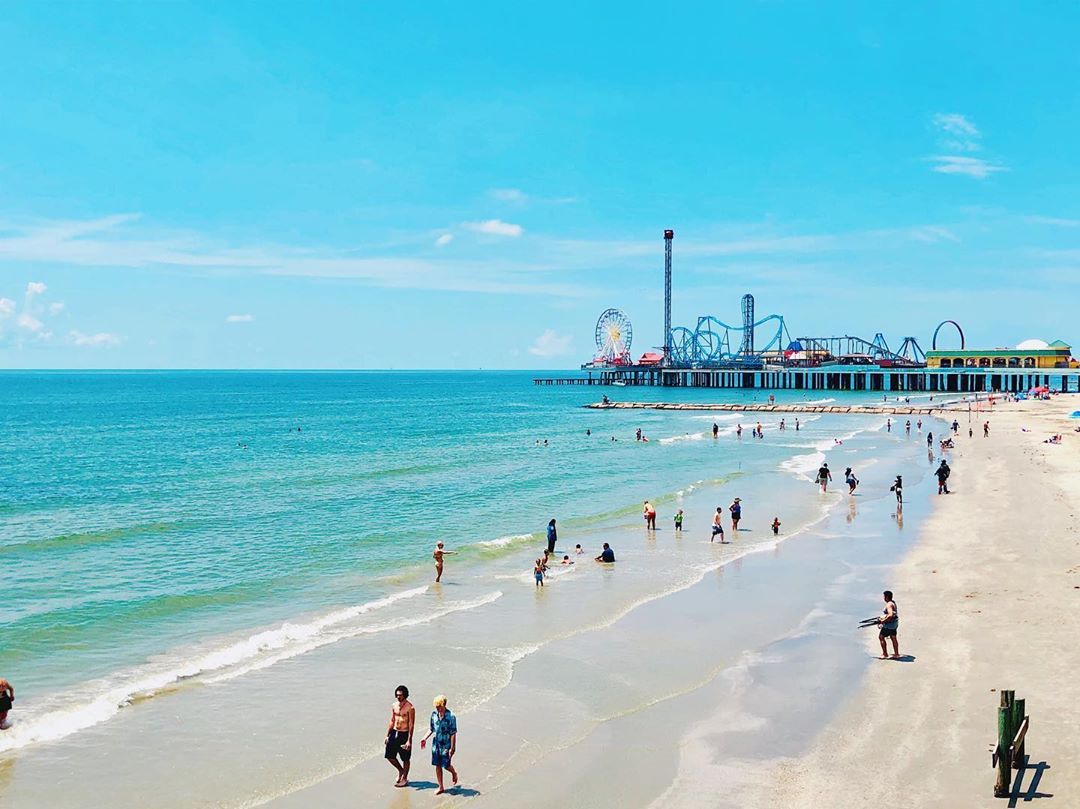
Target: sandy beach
988 598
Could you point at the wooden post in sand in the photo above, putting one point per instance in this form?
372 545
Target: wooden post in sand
1017 721
1003 782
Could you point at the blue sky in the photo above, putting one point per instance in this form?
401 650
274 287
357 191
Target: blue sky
448 185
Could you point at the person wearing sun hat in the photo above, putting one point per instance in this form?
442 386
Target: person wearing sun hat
736 514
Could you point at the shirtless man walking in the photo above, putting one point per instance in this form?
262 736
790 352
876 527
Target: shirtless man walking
438 555
399 735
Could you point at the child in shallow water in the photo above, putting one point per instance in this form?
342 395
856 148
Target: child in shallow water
776 525
538 572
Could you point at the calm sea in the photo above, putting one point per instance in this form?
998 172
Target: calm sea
144 516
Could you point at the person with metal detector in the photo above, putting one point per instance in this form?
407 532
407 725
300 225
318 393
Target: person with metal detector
889 622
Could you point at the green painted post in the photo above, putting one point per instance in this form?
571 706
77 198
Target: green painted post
1003 782
1017 720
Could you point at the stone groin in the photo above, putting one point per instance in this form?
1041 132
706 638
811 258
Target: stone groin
882 409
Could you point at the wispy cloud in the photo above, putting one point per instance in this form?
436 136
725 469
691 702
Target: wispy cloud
508 195
100 340
35 288
963 134
495 227
444 240
1052 220
240 319
931 234
551 344
7 308
967 166
959 134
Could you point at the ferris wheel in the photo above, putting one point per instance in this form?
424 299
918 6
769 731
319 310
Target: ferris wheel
613 336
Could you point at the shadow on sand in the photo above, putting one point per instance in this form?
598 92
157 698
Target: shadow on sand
465 792
1032 791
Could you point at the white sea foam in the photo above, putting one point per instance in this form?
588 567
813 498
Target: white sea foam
802 465
100 700
686 437
503 542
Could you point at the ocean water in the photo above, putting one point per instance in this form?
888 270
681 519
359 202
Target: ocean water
191 542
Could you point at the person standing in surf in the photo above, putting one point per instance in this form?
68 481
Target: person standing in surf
443 726
850 480
715 430
438 555
718 525
399 736
649 513
824 476
552 536
736 514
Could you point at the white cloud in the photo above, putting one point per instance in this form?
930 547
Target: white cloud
35 288
240 318
551 344
508 194
56 308
7 307
28 322
444 240
100 340
496 227
967 166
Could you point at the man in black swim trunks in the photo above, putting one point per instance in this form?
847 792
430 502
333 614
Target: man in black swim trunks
399 735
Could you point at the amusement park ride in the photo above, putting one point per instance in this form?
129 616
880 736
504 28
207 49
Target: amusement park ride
714 344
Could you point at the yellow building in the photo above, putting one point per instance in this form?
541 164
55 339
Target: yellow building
1028 354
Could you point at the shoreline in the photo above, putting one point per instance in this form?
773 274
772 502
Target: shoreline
987 597
737 641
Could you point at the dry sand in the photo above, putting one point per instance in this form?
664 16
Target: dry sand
989 600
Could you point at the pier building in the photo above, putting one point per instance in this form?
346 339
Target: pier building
1028 354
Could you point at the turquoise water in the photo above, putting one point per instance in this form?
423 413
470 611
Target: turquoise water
146 515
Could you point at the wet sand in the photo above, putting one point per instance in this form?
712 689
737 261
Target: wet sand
988 600
696 693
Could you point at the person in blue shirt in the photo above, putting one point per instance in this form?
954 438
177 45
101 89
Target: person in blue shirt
606 555
552 536
443 726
